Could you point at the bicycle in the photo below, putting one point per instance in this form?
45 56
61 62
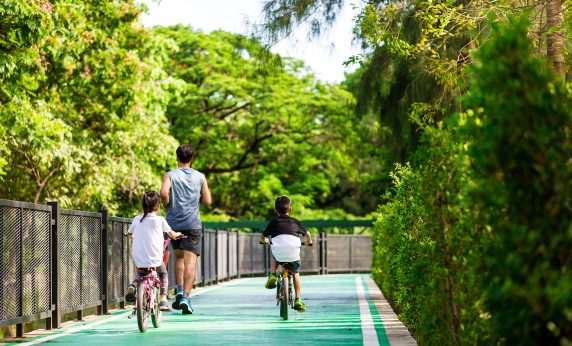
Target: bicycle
147 301
284 284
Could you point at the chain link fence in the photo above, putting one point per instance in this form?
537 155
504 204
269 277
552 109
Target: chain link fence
56 261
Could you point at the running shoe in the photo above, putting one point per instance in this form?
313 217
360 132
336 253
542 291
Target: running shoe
178 297
271 282
130 296
299 305
185 305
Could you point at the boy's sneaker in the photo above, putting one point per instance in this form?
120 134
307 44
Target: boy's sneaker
185 305
299 305
130 296
163 305
271 282
178 297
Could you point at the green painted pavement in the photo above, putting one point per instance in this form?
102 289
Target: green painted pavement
244 312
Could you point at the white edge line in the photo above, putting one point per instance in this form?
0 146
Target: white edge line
93 324
367 325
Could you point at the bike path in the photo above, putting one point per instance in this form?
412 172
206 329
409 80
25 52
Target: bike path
341 310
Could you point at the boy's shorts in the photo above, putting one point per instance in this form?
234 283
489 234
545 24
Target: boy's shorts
293 267
191 243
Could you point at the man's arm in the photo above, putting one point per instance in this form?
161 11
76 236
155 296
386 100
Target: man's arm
165 188
206 194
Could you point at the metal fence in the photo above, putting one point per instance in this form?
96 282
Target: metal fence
56 261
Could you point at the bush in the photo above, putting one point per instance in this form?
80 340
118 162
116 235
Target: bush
523 157
474 246
425 245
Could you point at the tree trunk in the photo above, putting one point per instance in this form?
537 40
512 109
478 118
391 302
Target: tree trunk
555 39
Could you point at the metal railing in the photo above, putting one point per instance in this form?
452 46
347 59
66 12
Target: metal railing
57 261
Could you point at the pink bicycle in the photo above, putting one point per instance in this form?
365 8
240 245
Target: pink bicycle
147 302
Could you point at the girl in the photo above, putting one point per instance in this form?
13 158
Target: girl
147 231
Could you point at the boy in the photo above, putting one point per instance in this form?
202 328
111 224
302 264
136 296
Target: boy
285 232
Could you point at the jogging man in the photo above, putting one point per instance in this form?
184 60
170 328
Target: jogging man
183 189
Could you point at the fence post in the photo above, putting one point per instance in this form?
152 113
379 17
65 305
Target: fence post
265 252
104 262
228 255
251 255
55 257
20 326
203 273
124 265
79 313
216 257
351 254
238 254
323 253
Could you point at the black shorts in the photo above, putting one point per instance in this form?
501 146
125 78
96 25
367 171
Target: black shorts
191 243
293 267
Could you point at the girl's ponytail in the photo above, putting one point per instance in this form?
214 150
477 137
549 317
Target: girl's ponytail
150 202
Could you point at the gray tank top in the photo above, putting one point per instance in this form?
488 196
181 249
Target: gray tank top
184 199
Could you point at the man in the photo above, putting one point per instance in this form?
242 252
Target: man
183 189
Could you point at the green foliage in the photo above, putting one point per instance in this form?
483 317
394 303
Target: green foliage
261 135
24 25
79 131
425 244
93 104
522 152
474 245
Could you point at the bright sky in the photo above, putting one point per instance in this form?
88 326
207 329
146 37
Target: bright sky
325 56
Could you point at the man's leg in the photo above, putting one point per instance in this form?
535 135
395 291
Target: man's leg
179 275
180 267
190 271
190 274
274 266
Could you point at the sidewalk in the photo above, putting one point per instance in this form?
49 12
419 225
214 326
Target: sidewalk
342 310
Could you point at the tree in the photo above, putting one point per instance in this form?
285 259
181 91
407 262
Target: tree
261 135
555 36
88 89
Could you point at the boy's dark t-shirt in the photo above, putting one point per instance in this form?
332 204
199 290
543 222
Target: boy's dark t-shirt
284 224
285 232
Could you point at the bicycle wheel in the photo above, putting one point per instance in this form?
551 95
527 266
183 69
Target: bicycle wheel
142 315
284 299
157 315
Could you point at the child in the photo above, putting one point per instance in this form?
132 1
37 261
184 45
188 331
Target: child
285 232
147 231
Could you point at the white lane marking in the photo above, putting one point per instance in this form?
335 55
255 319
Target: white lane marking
93 324
367 326
75 329
397 334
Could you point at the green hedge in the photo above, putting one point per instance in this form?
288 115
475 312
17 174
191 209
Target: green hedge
475 244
